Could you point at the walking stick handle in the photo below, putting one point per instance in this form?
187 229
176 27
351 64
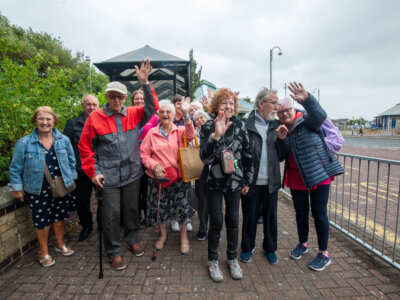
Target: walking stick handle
162 179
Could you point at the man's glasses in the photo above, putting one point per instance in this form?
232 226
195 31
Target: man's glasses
273 103
116 97
286 111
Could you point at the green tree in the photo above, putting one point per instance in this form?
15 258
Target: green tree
195 75
36 70
247 99
360 121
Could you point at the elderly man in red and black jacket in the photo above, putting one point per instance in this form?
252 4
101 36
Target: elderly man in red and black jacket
110 156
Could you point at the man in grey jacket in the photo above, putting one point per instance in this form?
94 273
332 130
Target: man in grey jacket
261 124
110 157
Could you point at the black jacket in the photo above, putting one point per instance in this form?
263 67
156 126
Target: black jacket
73 131
313 158
274 155
235 139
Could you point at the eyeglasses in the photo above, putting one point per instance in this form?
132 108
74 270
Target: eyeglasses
286 111
273 103
116 97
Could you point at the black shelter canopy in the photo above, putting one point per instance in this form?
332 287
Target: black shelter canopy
170 74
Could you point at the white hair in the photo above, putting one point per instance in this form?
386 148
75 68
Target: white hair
201 112
87 96
167 103
262 96
196 104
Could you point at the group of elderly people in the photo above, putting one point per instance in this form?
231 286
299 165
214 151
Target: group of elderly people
241 164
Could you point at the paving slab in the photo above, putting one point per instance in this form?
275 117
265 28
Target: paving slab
354 273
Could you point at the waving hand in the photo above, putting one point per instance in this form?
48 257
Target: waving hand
299 93
144 71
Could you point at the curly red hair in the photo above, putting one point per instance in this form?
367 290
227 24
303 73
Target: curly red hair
219 96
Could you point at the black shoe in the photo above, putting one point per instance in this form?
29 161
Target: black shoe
260 220
84 233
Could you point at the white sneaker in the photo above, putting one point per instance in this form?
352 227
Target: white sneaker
174 226
189 227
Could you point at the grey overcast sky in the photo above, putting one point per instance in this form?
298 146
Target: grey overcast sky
348 49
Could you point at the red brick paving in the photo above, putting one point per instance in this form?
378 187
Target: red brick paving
354 273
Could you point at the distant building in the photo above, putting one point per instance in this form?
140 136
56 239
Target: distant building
170 75
389 119
244 107
203 90
340 123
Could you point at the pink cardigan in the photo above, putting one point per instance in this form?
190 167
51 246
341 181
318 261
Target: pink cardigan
156 149
149 125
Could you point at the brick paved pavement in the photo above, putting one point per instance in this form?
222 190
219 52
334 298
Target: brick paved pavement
354 272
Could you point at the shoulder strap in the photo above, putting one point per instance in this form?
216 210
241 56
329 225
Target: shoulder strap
185 144
47 174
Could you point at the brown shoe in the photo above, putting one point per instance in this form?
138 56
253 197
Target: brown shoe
185 247
117 263
137 250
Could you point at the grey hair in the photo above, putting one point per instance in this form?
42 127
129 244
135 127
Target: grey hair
167 103
201 112
89 95
262 96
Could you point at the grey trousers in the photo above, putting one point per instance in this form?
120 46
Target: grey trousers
124 198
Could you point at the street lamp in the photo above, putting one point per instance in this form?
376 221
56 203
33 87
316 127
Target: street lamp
318 93
87 59
270 63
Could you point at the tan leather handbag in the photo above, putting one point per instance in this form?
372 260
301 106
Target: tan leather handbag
190 163
57 186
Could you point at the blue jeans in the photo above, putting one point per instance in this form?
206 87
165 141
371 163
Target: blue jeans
319 201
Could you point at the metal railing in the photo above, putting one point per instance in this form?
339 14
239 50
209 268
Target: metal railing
364 204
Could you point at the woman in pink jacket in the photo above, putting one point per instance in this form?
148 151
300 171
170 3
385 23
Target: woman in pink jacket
159 154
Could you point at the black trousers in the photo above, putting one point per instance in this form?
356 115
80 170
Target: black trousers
319 201
214 202
202 207
83 192
143 194
257 196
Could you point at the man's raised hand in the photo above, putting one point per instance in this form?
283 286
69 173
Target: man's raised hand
281 132
144 71
299 93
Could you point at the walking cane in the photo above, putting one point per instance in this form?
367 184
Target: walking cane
159 180
99 194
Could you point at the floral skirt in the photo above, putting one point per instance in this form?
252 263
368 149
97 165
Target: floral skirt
174 202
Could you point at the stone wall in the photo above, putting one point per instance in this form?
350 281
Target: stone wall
17 234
